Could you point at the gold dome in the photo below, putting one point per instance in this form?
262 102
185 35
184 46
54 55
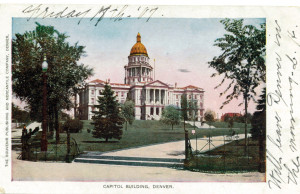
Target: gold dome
138 48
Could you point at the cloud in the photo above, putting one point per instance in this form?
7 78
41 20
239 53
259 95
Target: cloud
184 70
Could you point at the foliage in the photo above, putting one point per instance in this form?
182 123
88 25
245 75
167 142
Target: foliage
192 110
107 120
242 60
184 107
230 123
20 115
259 118
209 116
63 73
170 116
128 112
73 125
64 116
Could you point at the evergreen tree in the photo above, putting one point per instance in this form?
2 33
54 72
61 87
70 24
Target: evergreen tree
259 118
107 121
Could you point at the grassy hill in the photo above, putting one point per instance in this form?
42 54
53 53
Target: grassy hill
141 133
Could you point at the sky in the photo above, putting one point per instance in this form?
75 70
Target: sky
174 43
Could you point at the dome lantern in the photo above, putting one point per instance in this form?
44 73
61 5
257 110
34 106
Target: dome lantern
138 48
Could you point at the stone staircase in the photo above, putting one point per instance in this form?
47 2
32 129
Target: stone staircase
16 143
98 158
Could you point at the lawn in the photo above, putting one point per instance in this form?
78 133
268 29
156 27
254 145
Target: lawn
141 133
228 158
222 124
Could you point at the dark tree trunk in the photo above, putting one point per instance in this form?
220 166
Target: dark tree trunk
246 112
56 123
261 154
50 122
75 106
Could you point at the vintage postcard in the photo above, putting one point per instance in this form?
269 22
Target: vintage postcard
114 98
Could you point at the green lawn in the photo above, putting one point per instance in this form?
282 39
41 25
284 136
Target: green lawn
228 158
141 133
222 124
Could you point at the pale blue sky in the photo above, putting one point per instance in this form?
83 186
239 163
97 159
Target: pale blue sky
175 43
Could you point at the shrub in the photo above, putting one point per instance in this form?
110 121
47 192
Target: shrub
73 125
88 130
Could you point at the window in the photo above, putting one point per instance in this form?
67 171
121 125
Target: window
195 96
177 97
99 92
190 96
122 94
151 111
157 111
92 100
117 93
177 104
92 91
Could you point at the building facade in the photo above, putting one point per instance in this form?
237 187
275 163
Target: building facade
150 96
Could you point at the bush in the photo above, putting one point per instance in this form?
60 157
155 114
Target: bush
73 125
88 130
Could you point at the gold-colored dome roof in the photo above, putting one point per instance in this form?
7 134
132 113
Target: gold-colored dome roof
138 48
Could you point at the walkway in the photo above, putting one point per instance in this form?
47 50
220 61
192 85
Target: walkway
51 171
171 154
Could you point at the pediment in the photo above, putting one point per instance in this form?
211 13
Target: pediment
157 83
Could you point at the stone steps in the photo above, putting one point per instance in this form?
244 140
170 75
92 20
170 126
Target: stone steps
130 161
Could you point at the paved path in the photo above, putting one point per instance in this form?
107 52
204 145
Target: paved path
168 150
199 125
17 133
51 171
55 171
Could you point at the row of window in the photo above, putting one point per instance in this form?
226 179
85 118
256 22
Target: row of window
134 59
190 96
116 93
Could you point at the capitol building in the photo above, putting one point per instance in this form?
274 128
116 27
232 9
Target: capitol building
150 96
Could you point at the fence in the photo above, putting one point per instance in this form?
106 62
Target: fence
56 151
227 153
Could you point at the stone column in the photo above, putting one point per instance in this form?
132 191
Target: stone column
159 96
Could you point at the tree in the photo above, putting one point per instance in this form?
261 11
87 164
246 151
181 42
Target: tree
73 125
259 118
209 116
19 115
128 112
63 73
170 116
107 120
242 61
184 107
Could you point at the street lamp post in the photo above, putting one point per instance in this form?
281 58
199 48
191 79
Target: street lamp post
44 113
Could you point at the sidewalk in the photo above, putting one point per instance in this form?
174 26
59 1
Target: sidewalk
170 149
51 171
17 133
55 171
